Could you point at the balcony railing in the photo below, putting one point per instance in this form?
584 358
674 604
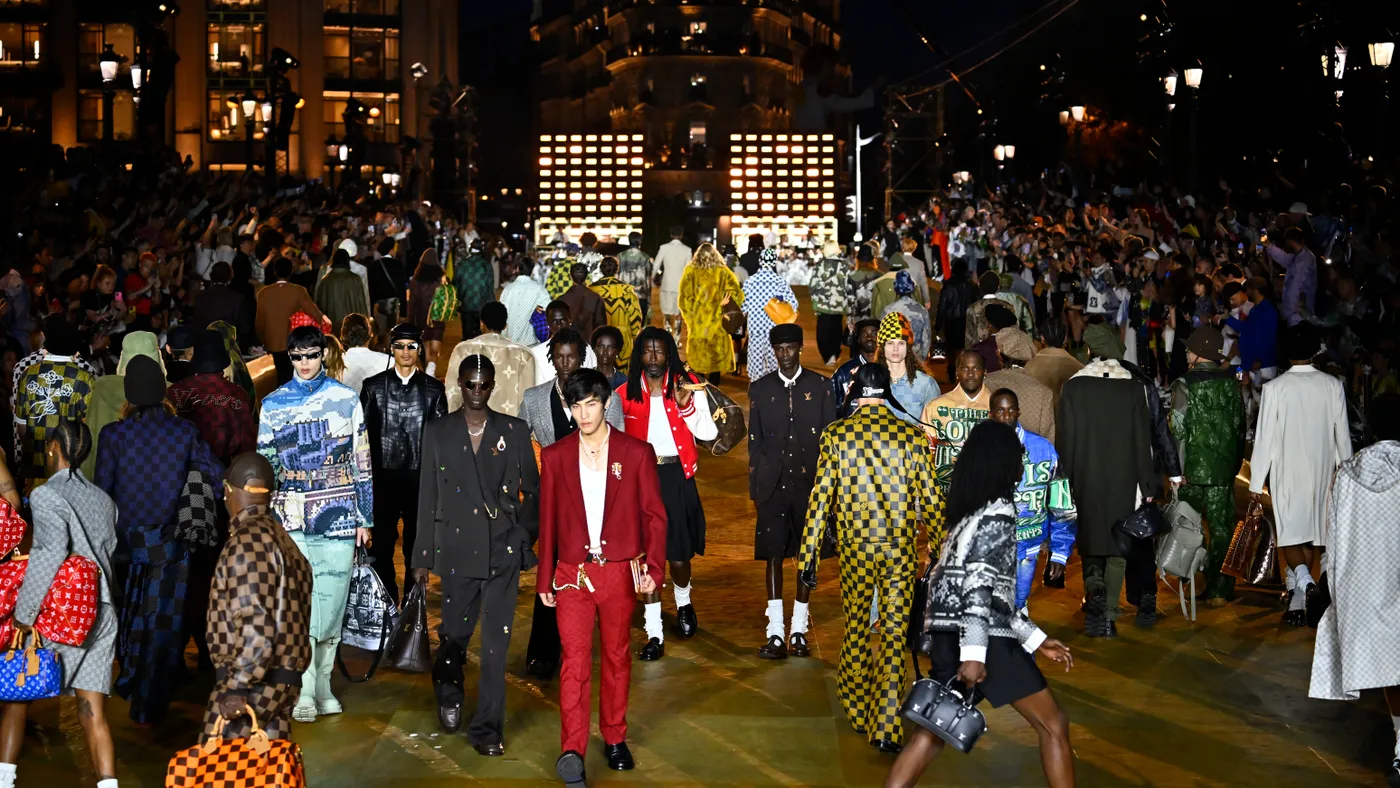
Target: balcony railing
671 43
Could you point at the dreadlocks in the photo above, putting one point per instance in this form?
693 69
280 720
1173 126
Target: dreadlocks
673 362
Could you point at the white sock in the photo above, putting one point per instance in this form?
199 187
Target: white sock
108 783
651 621
432 368
682 594
775 619
1289 581
1301 579
799 618
1393 721
7 775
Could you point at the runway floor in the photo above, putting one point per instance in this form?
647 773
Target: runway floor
1219 702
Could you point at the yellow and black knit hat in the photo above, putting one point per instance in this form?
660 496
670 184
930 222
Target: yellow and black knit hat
895 326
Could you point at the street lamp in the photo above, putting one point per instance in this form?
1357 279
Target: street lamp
1193 81
1077 112
999 152
1193 77
1381 53
249 103
108 63
1010 152
1169 82
1064 117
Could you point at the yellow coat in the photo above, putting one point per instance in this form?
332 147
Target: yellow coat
703 290
624 313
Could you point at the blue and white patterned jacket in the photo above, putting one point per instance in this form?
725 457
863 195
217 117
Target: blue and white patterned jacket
1033 494
313 432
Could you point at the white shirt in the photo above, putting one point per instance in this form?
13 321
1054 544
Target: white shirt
700 423
360 363
544 368
671 260
788 382
595 488
206 258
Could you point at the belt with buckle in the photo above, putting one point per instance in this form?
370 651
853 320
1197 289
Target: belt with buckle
668 460
595 558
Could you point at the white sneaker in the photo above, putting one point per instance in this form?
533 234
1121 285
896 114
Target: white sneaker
305 710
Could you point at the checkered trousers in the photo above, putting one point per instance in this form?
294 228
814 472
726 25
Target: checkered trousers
875 473
870 677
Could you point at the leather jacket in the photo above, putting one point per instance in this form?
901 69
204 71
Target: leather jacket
395 413
954 300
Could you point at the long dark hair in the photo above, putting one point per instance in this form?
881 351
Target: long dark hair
673 362
987 469
428 270
74 442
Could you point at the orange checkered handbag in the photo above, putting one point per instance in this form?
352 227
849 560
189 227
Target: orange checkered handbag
254 762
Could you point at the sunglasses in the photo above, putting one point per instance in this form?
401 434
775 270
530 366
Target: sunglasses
404 346
478 385
311 356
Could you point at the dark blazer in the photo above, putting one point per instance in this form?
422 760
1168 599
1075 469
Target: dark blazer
634 517
219 302
459 491
396 415
778 444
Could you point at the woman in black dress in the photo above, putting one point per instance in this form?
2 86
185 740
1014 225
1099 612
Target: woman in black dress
971 628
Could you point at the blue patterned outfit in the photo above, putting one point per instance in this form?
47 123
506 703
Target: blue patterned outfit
1034 512
759 289
142 464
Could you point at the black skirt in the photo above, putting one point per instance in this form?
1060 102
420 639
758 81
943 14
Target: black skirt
685 517
1011 672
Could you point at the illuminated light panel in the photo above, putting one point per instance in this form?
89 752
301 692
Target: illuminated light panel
589 183
785 185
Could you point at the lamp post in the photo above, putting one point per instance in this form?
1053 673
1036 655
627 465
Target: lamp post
249 105
332 157
108 63
1010 151
1193 84
1381 54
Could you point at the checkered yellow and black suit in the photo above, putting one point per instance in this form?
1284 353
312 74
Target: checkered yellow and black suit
875 476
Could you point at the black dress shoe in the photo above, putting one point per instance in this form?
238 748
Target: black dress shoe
1299 617
569 767
1316 601
797 645
888 747
686 624
450 717
490 750
619 757
775 648
541 668
652 651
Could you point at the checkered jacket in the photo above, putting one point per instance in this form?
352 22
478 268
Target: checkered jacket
259 604
973 587
874 476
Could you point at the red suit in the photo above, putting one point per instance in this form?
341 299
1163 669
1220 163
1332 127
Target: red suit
634 522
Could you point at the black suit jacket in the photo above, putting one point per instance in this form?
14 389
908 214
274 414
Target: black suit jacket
220 302
478 513
780 447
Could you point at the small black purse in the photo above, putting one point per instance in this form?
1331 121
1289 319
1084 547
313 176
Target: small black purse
1143 524
944 711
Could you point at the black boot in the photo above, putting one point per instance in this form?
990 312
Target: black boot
1147 610
1095 624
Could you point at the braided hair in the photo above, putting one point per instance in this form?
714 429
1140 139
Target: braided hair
74 442
673 362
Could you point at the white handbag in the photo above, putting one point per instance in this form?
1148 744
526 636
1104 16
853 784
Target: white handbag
1181 550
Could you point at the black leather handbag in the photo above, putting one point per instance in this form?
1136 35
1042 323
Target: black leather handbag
1142 525
408 648
944 711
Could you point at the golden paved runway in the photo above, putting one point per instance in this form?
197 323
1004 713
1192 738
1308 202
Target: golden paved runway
1219 702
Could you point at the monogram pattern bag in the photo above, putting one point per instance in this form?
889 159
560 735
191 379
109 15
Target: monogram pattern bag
69 608
29 672
254 762
1253 547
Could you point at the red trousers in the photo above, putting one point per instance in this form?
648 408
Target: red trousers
611 603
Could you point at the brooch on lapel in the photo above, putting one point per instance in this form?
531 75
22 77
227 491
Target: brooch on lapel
617 470
500 446
807 395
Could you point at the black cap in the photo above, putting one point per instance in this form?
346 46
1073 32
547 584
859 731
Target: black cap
406 331
784 332
181 337
210 352
144 385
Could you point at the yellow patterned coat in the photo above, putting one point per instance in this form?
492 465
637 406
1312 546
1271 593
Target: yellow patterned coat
624 313
703 290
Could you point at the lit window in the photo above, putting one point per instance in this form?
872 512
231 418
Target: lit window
385 128
361 53
697 132
236 49
90 116
21 45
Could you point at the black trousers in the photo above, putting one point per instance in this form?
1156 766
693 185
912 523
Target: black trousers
471 324
831 335
544 635
464 602
283 366
1141 575
395 498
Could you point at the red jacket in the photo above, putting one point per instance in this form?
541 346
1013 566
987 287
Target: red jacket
634 517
